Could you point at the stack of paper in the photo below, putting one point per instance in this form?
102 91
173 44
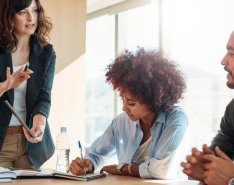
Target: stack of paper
6 175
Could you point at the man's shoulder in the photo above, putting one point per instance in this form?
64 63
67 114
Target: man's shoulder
232 101
231 104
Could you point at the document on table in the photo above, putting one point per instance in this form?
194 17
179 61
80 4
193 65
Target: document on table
6 173
85 177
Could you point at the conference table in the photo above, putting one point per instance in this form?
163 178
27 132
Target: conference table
109 180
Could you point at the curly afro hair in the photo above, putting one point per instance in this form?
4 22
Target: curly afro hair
148 76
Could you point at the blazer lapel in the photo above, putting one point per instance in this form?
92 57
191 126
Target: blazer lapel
6 61
37 65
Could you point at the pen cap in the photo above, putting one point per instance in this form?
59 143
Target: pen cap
63 150
63 129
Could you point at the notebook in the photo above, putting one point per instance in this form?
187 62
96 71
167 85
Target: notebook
6 173
85 177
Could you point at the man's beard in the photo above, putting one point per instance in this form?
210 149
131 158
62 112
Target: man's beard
230 85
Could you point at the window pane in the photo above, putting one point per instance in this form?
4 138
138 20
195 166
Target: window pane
139 27
99 95
195 35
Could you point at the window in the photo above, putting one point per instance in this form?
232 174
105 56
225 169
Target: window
99 95
194 35
100 52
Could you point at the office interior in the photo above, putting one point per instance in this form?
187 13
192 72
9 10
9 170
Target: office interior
88 34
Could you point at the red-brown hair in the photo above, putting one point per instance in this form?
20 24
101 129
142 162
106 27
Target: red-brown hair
149 77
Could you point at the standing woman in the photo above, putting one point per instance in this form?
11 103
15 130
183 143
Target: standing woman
24 33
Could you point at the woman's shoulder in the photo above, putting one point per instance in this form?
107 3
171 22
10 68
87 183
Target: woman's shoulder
121 117
4 50
123 124
48 46
177 109
177 112
35 45
122 120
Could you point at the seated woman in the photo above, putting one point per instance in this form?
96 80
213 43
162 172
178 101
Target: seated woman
147 134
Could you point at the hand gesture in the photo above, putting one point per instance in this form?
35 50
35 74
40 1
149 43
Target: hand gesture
193 166
218 170
15 79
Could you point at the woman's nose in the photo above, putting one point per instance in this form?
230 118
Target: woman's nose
30 16
124 108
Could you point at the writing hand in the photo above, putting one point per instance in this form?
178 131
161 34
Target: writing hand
79 166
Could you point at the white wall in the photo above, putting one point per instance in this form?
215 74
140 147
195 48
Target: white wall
67 108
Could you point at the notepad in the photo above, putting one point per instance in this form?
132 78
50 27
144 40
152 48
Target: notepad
6 173
85 177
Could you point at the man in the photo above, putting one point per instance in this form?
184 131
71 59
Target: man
214 164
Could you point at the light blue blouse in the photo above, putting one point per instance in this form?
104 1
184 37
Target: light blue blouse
124 136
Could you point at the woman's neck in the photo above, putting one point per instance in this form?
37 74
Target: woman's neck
21 55
148 120
146 124
23 43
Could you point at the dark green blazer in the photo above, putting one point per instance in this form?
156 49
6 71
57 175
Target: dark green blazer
38 97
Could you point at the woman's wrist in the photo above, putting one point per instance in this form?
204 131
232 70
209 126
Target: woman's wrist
2 89
129 169
91 168
126 170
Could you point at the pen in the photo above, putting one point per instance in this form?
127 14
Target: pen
26 68
81 153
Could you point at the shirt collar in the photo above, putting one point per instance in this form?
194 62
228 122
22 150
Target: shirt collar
160 119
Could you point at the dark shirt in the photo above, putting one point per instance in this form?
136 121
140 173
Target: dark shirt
225 136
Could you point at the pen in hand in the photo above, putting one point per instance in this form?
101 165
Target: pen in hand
25 69
81 154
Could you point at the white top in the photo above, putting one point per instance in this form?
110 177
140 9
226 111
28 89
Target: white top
141 155
19 104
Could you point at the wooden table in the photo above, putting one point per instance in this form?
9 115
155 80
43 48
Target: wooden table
109 180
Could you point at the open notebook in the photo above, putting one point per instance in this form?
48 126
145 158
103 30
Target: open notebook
6 173
86 177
